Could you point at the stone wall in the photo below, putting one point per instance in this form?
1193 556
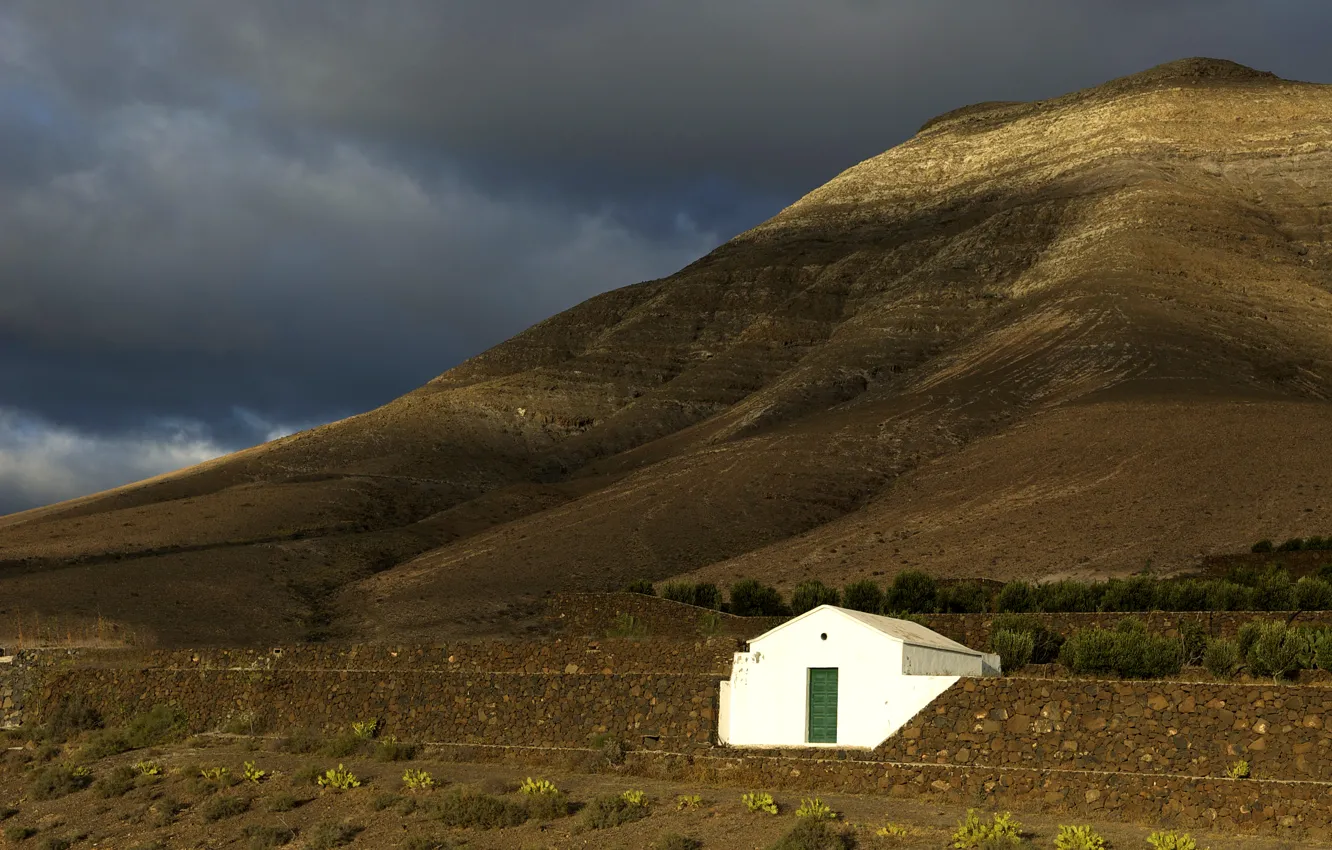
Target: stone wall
516 709
1155 727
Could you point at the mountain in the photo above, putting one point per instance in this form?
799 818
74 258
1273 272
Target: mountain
1077 336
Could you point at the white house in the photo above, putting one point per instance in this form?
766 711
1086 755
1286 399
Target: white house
839 678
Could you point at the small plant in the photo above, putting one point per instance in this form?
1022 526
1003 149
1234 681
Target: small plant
1238 770
815 809
282 802
675 841
1014 648
264 837
224 807
7 812
813 835
148 768
366 729
642 586
466 807
635 798
251 773
215 774
893 830
1171 840
538 786
391 749
417 780
117 783
1001 830
55 842
59 780
339 779
1078 838
16 833
327 835
759 801
1221 657
688 802
611 810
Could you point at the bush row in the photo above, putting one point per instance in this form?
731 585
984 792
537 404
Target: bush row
1262 648
1295 544
913 592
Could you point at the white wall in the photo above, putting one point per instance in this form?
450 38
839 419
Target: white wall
768 688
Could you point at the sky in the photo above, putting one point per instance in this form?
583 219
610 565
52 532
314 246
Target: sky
222 222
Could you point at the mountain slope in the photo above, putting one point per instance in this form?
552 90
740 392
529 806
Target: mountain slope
1035 339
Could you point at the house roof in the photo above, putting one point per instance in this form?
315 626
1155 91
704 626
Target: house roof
904 630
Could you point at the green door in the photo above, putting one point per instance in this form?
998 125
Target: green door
823 705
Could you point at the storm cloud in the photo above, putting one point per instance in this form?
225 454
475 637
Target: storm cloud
220 222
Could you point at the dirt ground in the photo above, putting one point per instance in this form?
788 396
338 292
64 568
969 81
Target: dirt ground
180 810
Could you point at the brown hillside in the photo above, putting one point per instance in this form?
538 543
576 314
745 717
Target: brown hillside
1036 339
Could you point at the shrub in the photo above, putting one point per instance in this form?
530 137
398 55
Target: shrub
71 716
1274 591
912 592
1067 596
707 595
417 780
1014 649
55 842
282 802
815 809
264 837
1136 593
327 835
1229 596
1193 641
548 806
339 779
225 807
611 810
1015 597
1322 650
1221 657
1171 840
1046 643
56 781
963 597
1292 544
642 586
675 841
811 594
158 724
1090 651
612 748
863 595
341 746
7 812
1183 595
393 750
1247 634
813 835
117 783
464 807
301 742
678 591
752 598
1313 594
15 833
104 743
427 842
1128 651
1261 546
1275 650
1238 770
683 802
1078 838
1000 831
759 801
308 774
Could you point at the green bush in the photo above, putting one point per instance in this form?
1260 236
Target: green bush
159 724
7 812
301 742
55 842
463 807
642 586
1313 594
282 802
1183 595
675 841
1276 650
14 833
547 806
813 835
71 715
611 810
752 598
427 842
394 750
963 597
117 783
1229 596
218 808
1090 651
1247 634
1274 591
1128 651
707 595
1136 593
911 592
1221 657
863 595
811 594
678 591
1046 643
56 781
1059 596
344 745
1193 639
1293 544
1015 597
1261 546
1014 649
1322 653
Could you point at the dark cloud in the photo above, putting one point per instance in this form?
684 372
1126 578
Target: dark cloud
222 220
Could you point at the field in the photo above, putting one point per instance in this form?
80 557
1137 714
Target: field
181 809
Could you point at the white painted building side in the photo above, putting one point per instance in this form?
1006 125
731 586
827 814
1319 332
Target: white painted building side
872 673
